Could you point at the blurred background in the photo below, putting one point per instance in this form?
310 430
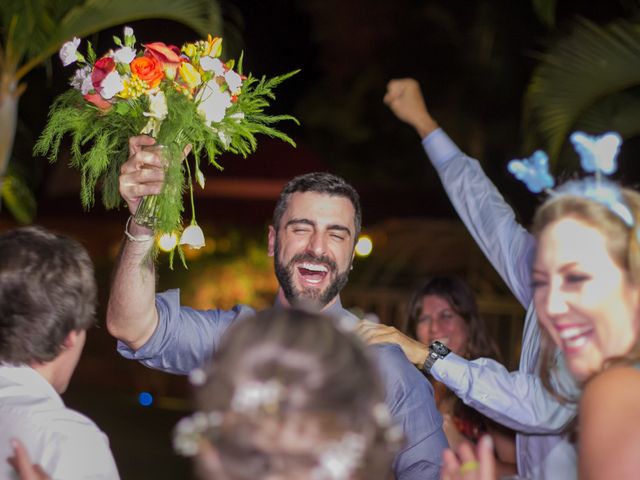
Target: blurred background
501 77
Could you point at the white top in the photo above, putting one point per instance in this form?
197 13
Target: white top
65 443
515 399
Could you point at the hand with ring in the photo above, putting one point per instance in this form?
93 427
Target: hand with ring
465 464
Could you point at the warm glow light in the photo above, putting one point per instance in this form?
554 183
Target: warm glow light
167 242
364 246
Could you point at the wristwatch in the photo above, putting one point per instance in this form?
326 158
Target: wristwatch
437 350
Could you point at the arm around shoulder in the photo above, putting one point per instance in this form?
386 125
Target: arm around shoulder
609 425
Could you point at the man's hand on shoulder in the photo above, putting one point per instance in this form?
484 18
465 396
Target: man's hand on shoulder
372 333
405 100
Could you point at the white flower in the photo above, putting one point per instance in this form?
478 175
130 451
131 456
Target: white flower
212 103
234 81
200 178
192 236
124 55
210 64
111 85
69 51
128 32
224 138
157 106
82 80
157 112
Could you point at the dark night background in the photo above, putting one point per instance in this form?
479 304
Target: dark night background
473 60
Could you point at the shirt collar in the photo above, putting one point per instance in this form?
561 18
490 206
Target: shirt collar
27 378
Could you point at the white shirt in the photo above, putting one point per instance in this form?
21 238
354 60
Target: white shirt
65 443
515 399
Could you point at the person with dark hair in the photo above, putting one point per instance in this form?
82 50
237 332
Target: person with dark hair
443 308
517 399
289 395
312 240
47 304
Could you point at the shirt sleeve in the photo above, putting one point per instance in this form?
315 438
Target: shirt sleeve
410 399
185 338
517 400
489 219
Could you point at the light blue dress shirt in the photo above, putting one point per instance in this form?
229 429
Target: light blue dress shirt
186 338
515 399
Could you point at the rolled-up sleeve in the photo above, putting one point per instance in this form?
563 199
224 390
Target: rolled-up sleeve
185 338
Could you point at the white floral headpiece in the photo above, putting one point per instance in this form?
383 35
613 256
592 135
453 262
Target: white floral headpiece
598 155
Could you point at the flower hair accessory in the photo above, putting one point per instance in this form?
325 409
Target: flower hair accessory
252 397
598 155
340 459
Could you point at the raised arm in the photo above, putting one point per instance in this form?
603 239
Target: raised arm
131 312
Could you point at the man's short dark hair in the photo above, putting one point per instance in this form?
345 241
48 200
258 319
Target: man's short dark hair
47 290
319 182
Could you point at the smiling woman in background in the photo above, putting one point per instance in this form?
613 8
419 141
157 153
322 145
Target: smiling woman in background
444 309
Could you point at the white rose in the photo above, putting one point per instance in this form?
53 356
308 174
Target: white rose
212 103
128 32
124 55
234 81
111 85
210 64
69 50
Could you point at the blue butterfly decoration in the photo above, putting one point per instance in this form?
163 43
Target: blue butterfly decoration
597 153
533 171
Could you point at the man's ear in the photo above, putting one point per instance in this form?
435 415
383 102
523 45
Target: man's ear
71 339
272 241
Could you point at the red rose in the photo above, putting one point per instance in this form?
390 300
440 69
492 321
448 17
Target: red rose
101 69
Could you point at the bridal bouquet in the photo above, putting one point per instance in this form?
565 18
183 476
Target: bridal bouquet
180 96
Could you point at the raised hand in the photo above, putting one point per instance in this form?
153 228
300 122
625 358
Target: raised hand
405 100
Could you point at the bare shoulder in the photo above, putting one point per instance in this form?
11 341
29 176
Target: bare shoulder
609 425
615 386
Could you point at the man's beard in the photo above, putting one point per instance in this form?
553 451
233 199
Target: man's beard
309 297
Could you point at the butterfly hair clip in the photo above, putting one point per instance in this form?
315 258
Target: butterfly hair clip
598 155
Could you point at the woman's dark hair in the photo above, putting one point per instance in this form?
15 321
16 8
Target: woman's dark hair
328 388
457 293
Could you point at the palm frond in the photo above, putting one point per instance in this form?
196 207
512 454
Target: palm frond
592 63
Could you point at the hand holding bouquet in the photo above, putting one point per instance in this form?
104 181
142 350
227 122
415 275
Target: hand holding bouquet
181 96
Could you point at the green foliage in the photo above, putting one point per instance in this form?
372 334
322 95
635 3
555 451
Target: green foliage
587 80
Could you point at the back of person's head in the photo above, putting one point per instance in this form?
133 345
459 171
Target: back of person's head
290 396
47 289
458 294
318 182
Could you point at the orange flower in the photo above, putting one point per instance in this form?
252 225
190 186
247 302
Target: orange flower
147 69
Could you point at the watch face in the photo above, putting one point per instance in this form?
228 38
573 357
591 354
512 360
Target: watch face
440 348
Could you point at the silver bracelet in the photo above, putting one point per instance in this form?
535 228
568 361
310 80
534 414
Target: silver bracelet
132 238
